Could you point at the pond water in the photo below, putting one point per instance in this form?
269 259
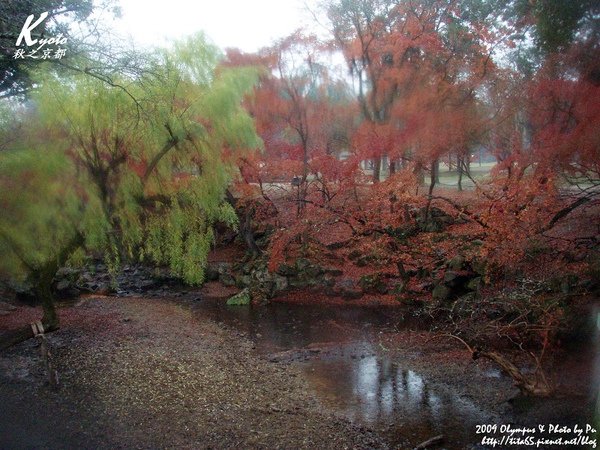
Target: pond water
339 351
351 372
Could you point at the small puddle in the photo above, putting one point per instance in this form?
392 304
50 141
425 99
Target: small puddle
351 374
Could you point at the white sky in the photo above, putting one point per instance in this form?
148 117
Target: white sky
245 24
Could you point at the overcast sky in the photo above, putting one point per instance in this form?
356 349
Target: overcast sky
245 24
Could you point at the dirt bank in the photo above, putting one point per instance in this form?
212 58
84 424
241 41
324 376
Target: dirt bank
145 373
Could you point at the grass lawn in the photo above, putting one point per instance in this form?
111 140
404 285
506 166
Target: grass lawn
450 177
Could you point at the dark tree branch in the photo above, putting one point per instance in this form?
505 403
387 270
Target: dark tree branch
171 142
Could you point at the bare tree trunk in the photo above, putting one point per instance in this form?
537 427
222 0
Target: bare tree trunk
303 187
392 168
45 295
460 172
418 171
301 197
377 170
245 216
435 167
434 176
42 281
50 320
248 233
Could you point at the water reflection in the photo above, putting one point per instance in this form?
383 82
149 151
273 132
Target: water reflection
357 378
375 390
363 383
283 327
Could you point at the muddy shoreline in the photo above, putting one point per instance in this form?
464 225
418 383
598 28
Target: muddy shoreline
160 373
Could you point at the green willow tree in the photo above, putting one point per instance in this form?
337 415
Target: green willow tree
152 157
157 155
44 210
39 226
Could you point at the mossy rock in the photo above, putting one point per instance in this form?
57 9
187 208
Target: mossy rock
362 262
373 283
333 271
242 298
475 284
302 264
260 294
456 263
479 266
298 283
286 270
312 272
367 260
227 279
450 277
422 272
354 254
261 275
441 293
399 287
433 226
211 273
280 283
243 281
404 232
345 288
328 281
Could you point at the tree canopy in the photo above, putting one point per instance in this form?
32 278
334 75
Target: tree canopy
134 169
